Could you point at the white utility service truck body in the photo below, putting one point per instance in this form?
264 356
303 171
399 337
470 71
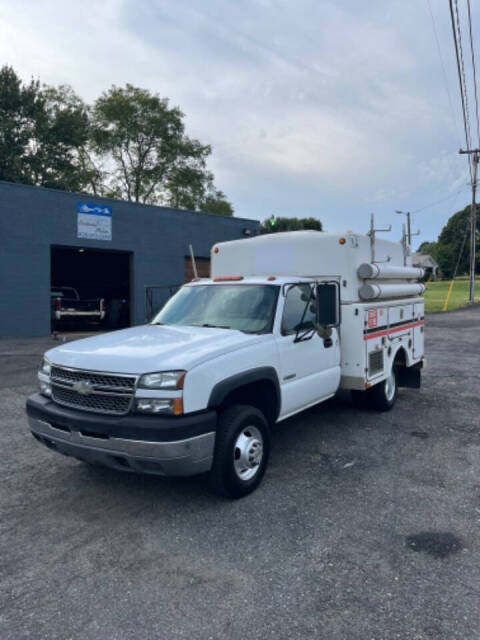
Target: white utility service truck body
284 321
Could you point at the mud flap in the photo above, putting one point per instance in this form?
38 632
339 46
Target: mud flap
410 377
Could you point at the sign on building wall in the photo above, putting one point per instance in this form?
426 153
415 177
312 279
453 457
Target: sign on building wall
94 221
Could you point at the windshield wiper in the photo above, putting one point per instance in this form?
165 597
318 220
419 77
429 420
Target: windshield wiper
212 326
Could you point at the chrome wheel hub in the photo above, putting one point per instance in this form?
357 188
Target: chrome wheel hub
390 386
248 453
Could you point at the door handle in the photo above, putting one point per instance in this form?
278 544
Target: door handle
327 343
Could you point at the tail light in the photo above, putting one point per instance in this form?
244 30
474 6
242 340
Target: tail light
102 304
58 304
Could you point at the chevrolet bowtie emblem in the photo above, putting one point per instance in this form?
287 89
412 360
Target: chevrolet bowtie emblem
83 386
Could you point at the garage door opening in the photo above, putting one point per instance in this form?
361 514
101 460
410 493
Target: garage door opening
90 289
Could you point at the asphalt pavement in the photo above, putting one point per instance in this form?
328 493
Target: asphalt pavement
366 527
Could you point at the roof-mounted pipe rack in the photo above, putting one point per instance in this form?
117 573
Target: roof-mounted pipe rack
376 271
373 291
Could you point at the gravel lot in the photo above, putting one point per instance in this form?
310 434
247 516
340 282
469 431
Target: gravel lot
326 548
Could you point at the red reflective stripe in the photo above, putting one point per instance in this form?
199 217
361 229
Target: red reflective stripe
379 334
386 332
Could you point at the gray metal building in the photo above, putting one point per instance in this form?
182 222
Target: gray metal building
108 247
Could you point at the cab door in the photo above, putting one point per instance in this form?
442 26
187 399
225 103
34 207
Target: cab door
309 364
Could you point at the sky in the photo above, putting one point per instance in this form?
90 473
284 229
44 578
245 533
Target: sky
332 109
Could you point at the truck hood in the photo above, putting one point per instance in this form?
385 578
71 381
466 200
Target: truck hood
150 348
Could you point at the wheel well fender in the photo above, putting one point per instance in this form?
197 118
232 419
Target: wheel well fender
400 358
259 387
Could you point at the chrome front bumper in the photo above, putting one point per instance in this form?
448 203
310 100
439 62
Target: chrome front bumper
178 458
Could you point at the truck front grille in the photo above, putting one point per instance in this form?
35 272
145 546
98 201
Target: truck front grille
93 391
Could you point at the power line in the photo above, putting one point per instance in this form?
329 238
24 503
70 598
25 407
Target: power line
445 78
464 80
473 154
461 76
432 204
473 71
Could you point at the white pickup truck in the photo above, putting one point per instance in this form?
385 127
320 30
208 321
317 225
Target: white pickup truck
284 321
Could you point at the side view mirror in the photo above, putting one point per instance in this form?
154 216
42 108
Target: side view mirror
328 304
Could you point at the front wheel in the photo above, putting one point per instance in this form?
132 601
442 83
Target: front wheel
383 395
242 448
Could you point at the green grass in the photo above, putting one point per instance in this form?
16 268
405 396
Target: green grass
437 292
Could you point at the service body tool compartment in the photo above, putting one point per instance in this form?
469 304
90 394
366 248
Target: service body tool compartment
375 327
418 329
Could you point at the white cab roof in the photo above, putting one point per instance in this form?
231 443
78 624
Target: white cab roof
279 280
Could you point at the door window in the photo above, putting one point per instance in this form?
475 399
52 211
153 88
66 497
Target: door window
295 301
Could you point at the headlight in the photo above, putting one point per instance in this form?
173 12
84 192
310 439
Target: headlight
46 367
44 378
162 380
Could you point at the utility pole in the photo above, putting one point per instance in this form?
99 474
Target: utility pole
409 228
473 220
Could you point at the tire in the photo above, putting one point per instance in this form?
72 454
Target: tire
242 449
383 395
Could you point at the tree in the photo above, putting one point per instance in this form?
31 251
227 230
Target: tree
453 244
19 108
61 156
454 236
44 135
217 203
49 137
274 225
154 161
428 249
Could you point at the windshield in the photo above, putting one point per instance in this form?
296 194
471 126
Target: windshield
247 308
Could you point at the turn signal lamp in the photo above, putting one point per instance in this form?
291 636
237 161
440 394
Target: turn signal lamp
177 406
